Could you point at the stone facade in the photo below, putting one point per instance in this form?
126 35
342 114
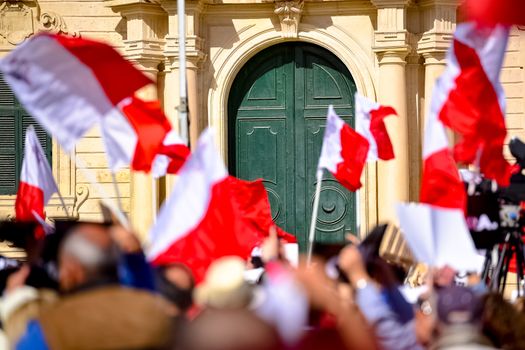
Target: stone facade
394 50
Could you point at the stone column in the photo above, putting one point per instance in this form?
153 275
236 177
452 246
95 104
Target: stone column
391 47
394 177
143 191
147 25
439 24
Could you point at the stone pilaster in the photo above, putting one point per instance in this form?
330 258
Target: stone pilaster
392 47
439 23
147 25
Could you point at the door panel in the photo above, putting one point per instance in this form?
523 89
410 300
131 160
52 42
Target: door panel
277 114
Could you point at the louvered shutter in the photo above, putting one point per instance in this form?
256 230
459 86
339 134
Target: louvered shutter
14 120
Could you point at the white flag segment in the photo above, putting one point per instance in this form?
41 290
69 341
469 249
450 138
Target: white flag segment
36 171
369 122
188 203
70 84
331 149
438 236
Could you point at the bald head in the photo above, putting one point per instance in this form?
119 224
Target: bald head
87 255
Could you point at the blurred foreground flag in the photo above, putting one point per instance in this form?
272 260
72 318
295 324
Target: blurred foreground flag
209 214
141 137
345 151
439 236
369 122
441 184
70 84
469 98
491 12
37 184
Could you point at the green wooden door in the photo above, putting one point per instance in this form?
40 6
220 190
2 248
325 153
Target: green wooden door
277 112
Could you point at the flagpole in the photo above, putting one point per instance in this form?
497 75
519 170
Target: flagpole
315 209
183 103
81 165
63 202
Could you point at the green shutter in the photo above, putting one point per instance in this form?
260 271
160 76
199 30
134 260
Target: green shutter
14 120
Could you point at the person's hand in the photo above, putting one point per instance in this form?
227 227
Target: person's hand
271 246
319 288
17 279
351 262
126 240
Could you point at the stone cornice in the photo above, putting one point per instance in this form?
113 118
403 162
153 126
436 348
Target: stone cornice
135 6
391 3
425 3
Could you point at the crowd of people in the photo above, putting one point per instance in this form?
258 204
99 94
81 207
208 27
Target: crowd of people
109 297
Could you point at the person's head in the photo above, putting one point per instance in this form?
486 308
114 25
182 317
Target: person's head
458 305
176 283
224 286
229 329
87 255
502 323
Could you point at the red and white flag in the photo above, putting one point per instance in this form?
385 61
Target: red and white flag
209 214
490 12
441 184
469 99
142 138
171 156
37 184
369 122
70 84
344 151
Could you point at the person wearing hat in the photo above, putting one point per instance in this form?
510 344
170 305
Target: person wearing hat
459 312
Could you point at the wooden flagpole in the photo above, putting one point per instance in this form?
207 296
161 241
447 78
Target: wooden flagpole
315 209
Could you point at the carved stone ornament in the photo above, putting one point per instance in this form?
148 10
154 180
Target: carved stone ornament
289 13
19 19
53 23
16 21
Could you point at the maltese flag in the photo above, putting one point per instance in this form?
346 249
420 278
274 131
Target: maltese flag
369 122
69 85
345 152
470 100
37 184
209 214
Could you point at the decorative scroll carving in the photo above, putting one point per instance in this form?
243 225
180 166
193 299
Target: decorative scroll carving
289 13
19 19
82 196
53 23
16 21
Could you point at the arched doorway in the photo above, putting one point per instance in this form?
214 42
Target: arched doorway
277 110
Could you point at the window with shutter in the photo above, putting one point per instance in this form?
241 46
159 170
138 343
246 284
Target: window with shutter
14 121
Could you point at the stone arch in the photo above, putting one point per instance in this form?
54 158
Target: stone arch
228 63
